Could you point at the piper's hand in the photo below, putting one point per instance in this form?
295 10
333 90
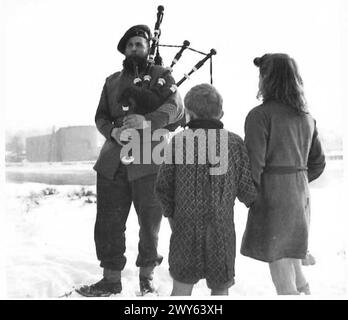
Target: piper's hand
135 121
116 134
122 135
126 134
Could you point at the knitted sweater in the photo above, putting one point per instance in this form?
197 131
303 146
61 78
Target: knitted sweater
202 243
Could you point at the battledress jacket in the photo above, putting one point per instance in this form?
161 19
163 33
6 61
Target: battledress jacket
203 242
285 154
110 114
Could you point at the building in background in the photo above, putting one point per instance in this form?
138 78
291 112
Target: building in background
76 143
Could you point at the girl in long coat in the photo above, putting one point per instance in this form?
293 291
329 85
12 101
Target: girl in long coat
285 153
197 188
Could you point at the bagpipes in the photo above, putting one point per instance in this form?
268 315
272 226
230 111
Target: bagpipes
141 98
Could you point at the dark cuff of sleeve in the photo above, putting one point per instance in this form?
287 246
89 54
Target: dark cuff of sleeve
104 127
158 119
250 203
107 130
167 213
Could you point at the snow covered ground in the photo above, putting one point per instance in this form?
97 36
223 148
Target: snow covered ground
50 246
74 172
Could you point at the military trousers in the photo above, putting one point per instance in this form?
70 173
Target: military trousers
114 200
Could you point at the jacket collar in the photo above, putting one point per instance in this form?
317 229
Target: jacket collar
205 124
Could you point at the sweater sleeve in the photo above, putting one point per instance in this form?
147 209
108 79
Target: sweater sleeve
165 186
246 191
316 159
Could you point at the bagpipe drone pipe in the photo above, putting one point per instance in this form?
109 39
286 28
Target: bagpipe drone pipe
145 95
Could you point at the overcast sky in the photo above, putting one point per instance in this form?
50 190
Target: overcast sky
59 52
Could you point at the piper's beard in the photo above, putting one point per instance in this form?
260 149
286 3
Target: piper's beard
131 61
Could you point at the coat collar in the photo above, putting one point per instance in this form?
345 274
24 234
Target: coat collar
205 124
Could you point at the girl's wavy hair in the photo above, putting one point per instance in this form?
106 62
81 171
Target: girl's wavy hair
281 81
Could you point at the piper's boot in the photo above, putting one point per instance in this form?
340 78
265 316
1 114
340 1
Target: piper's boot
110 284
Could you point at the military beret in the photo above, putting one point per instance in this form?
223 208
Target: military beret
139 30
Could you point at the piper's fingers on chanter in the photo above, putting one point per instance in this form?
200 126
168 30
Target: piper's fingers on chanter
126 133
135 121
128 123
127 120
